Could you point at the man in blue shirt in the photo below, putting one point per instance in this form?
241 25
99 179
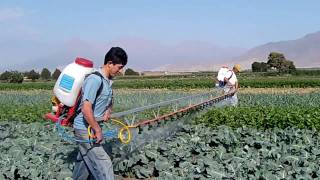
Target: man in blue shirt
92 160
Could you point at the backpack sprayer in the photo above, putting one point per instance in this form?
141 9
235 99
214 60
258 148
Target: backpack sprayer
67 97
67 91
221 75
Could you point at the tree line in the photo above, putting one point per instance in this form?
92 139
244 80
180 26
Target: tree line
19 77
45 74
275 61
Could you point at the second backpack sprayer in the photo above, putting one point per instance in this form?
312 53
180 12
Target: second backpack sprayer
221 75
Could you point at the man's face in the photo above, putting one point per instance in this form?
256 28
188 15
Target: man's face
115 69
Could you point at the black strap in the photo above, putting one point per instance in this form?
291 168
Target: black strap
101 85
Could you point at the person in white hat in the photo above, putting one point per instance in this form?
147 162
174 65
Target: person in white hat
232 84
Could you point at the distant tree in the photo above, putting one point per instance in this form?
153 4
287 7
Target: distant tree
287 67
33 75
292 67
130 71
45 74
25 74
259 67
16 77
255 67
278 61
275 60
5 76
264 67
56 74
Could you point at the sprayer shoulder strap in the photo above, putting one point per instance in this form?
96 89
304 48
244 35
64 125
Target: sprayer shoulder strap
101 85
98 92
231 75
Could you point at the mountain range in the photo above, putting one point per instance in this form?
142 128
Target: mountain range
304 52
151 55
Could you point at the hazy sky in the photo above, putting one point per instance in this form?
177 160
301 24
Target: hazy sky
36 30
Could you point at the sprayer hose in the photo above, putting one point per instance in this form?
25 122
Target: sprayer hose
120 133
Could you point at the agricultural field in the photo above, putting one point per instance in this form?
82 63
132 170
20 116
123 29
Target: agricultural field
272 134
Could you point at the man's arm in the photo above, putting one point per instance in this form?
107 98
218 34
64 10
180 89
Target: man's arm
87 112
107 114
236 86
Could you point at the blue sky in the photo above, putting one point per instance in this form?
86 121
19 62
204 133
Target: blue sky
31 30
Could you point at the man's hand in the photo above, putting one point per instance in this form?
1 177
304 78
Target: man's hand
88 115
99 136
107 114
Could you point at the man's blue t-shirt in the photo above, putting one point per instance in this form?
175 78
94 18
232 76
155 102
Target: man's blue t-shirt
89 92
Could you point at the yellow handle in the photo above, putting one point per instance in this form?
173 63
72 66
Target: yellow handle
91 135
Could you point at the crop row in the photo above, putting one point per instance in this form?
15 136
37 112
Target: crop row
295 99
30 106
183 83
262 117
